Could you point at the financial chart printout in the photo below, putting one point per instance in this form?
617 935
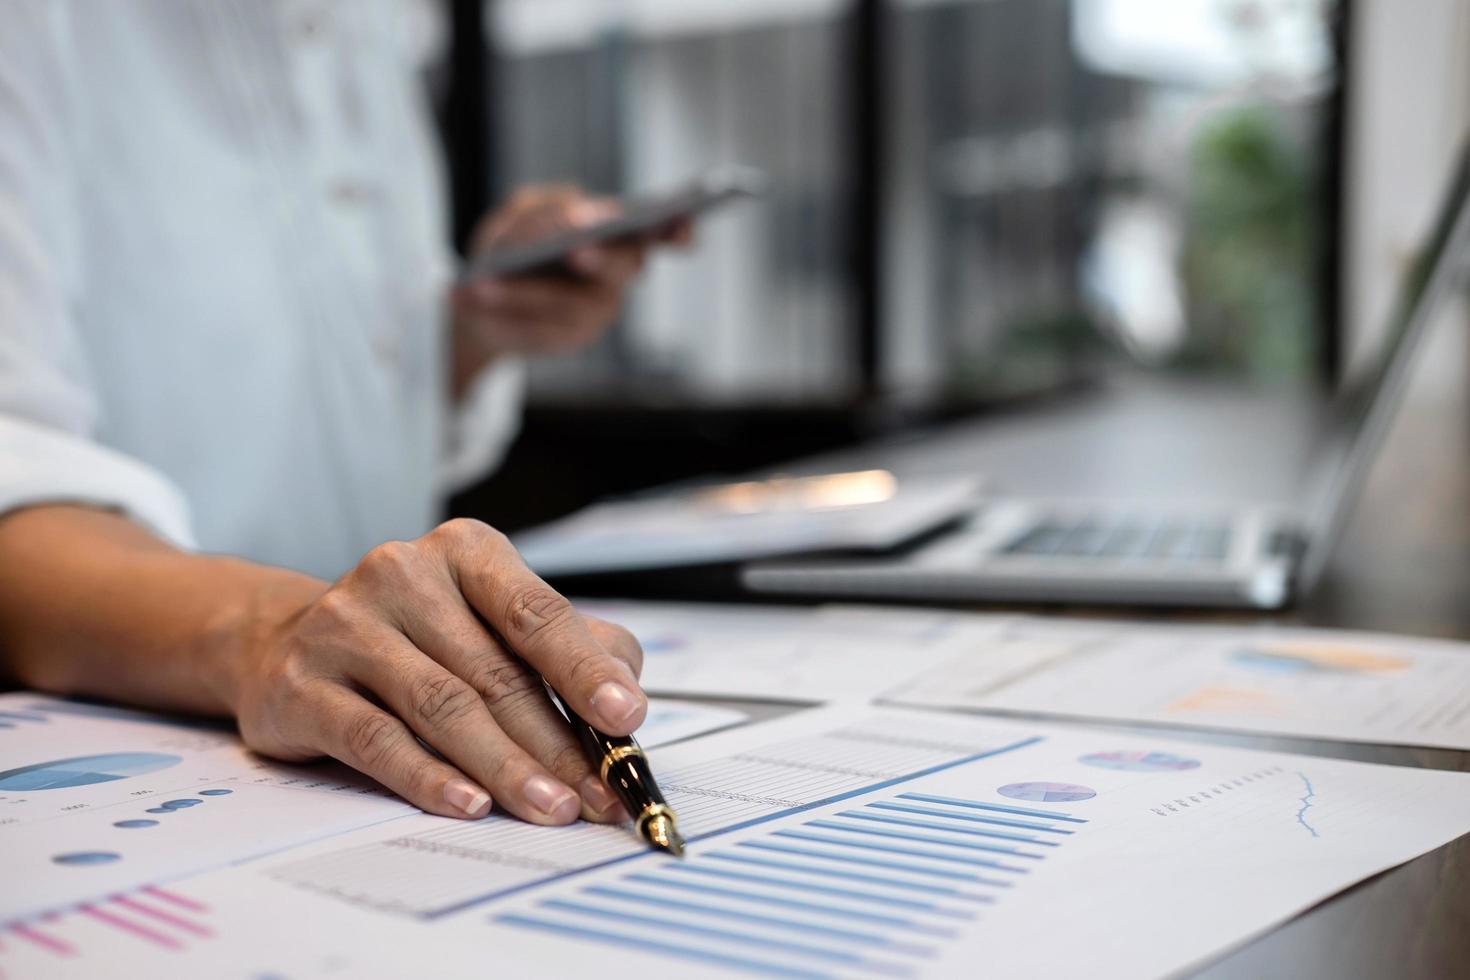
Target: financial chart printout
849 841
831 653
1367 687
95 799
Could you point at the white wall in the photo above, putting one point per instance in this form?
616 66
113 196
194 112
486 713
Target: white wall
1409 110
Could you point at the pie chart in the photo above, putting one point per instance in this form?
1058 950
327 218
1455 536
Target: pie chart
1139 761
84 770
1047 792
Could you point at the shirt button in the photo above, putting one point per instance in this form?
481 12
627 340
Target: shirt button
310 22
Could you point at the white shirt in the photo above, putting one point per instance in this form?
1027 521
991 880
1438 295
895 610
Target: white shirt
223 260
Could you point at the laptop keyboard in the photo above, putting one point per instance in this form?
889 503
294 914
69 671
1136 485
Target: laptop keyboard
1125 537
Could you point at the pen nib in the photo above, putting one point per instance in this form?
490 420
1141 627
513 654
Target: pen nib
663 835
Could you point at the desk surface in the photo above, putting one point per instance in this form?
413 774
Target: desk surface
1402 565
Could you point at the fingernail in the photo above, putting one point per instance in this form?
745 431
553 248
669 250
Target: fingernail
597 796
615 704
552 798
467 797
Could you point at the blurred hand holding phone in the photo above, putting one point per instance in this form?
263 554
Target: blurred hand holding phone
550 269
642 217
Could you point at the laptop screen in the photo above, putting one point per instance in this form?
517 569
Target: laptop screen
1366 408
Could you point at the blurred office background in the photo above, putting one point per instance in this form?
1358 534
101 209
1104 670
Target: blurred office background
971 203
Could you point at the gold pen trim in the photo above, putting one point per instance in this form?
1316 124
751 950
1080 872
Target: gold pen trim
617 755
657 825
652 812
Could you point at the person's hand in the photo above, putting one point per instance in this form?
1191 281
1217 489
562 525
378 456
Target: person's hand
529 315
445 640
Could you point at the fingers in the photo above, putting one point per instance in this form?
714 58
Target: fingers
445 629
400 627
539 727
423 669
549 300
537 211
541 315
540 626
531 212
680 233
614 264
619 642
451 716
517 698
375 743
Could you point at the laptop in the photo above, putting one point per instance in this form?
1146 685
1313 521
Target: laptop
1136 553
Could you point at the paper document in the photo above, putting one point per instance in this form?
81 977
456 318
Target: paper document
831 653
850 841
95 798
742 521
671 721
1362 687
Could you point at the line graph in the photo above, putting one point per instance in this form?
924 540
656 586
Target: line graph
1306 804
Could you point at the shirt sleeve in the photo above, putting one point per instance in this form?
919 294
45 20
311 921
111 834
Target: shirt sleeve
477 430
483 425
48 405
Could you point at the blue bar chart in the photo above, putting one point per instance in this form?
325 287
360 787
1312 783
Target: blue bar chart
872 888
457 865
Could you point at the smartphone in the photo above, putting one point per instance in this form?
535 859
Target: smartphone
643 215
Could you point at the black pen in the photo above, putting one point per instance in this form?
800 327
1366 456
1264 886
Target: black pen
624 769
